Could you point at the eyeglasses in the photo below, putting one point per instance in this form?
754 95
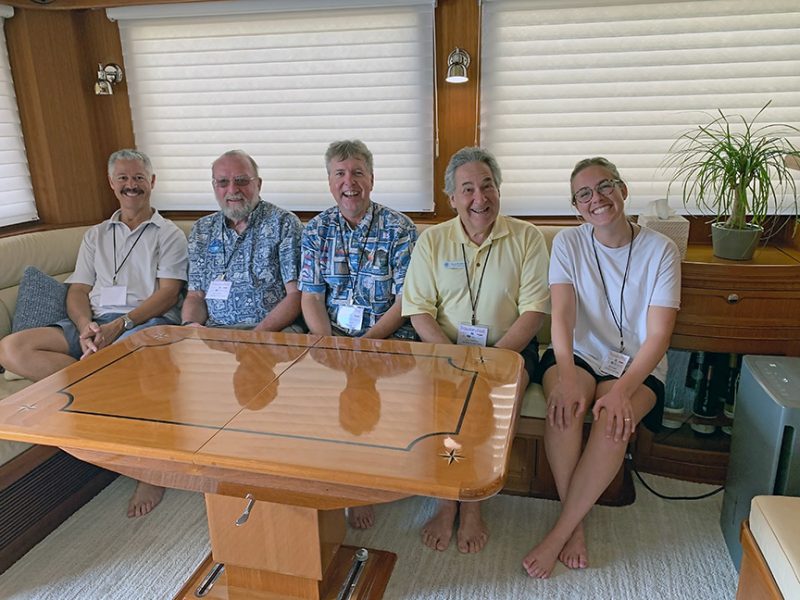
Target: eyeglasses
604 188
238 181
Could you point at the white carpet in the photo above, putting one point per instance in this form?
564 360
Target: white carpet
653 549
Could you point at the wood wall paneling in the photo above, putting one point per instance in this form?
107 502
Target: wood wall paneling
68 131
456 25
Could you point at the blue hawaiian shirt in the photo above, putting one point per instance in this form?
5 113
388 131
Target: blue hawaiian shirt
381 242
259 262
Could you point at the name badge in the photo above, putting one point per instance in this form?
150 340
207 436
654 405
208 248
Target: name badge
454 264
114 295
472 335
614 364
219 289
350 317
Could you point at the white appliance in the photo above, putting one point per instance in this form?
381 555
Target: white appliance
765 446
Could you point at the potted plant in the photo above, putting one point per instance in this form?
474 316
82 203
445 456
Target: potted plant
737 172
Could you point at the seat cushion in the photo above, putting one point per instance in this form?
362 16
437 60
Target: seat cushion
775 525
534 404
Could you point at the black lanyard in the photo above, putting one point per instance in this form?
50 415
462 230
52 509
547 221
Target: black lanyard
474 300
360 254
114 235
617 322
238 243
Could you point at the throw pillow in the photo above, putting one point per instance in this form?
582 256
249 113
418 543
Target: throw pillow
41 300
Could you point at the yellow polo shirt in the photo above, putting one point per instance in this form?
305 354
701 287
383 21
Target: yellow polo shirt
515 280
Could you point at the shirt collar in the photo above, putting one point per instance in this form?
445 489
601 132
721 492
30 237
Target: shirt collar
459 236
156 219
364 223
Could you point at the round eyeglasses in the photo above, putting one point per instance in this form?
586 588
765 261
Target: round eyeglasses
604 188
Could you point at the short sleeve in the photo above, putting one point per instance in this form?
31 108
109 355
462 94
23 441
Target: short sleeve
310 271
289 251
419 290
84 266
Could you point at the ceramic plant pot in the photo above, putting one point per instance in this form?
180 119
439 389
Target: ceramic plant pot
735 244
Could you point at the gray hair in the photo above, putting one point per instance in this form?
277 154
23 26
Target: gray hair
468 155
344 149
238 154
595 161
129 154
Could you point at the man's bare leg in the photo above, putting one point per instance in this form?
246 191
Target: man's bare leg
472 530
144 499
361 517
437 532
35 353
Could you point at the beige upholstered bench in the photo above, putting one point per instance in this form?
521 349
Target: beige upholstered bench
770 566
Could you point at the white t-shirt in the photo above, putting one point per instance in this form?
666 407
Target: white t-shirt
654 279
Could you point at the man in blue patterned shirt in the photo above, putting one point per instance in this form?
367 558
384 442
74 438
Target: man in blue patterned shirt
354 261
244 259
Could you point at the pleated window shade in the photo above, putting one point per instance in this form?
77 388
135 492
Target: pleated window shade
282 86
565 80
17 204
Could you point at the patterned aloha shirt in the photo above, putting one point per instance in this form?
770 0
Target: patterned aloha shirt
261 260
381 242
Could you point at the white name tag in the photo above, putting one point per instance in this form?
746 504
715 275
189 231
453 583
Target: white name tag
614 364
350 317
454 264
114 295
219 289
472 335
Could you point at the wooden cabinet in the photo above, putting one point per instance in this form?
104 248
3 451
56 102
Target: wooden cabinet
747 307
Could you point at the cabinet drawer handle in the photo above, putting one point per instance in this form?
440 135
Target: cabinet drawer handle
733 298
246 514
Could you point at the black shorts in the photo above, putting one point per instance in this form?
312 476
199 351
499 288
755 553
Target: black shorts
530 354
652 420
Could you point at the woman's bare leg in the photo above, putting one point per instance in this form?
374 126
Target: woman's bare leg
595 470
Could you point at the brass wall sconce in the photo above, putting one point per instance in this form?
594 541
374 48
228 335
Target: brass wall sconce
106 76
457 64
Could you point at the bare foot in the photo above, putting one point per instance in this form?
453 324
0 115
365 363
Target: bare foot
539 562
145 498
437 532
361 517
472 531
574 554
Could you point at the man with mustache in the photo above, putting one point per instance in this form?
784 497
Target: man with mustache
355 256
128 276
243 259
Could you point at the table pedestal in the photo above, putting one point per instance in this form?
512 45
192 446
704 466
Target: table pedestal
281 551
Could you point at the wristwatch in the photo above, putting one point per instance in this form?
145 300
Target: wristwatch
127 323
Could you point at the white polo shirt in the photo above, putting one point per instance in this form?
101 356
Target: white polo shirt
160 252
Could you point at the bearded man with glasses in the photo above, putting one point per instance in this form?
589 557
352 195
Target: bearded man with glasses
243 260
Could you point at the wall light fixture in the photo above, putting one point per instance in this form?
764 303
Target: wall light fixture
107 75
457 64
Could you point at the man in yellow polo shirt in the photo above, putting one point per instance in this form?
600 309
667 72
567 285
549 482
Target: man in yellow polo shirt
477 279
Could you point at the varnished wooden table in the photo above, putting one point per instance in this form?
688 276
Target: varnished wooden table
295 427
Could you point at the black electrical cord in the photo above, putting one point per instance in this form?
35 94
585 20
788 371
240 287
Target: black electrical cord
664 496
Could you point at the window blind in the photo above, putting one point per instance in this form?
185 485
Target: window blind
570 79
282 86
17 204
